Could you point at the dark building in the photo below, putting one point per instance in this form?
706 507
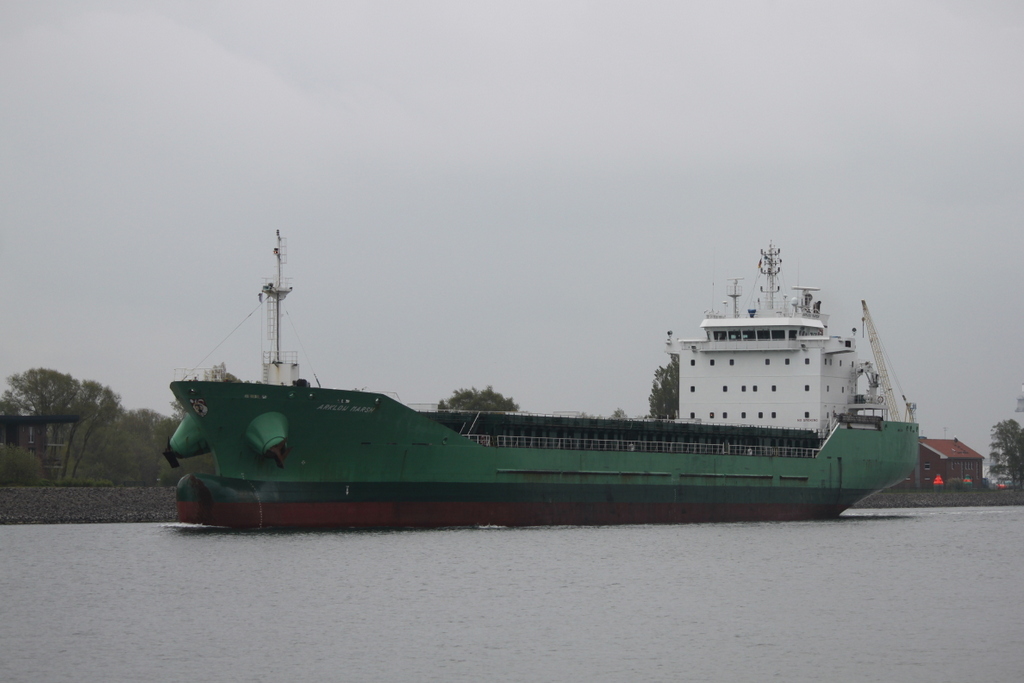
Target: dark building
35 433
950 458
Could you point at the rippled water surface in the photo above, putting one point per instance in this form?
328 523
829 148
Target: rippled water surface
880 595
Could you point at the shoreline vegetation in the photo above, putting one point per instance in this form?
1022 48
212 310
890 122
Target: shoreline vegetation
156 504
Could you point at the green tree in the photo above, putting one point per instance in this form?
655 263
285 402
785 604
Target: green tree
130 448
664 398
1008 452
19 466
619 414
476 399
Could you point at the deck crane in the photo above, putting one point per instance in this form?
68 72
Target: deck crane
883 375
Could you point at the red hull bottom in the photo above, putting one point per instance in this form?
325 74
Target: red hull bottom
466 514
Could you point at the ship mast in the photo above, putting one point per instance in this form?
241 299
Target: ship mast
770 266
278 368
735 291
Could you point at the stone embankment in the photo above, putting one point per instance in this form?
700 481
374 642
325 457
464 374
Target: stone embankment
86 505
942 499
62 505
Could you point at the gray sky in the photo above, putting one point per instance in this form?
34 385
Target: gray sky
527 195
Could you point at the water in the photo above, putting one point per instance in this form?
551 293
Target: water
880 595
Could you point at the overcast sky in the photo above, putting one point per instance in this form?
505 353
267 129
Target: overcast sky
527 195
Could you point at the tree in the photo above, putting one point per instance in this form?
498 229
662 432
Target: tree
619 414
475 399
130 448
39 392
664 399
18 466
1008 452
96 406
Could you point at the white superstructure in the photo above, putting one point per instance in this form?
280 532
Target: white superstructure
775 365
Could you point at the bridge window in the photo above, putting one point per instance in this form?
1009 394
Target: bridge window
763 334
749 334
719 335
734 335
778 334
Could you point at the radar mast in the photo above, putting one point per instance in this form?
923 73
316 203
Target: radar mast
278 367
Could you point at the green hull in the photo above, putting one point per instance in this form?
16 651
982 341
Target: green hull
291 456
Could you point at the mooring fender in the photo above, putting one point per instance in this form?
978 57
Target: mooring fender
267 434
186 442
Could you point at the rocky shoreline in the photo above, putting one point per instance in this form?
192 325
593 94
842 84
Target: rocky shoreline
63 505
86 505
909 499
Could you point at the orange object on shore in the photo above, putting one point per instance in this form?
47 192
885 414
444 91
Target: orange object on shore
938 480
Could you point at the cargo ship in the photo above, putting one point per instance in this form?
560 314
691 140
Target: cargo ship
777 420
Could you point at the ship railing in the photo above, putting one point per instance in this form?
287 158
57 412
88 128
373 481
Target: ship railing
215 374
638 446
482 439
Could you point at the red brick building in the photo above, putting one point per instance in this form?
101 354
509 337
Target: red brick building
950 458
